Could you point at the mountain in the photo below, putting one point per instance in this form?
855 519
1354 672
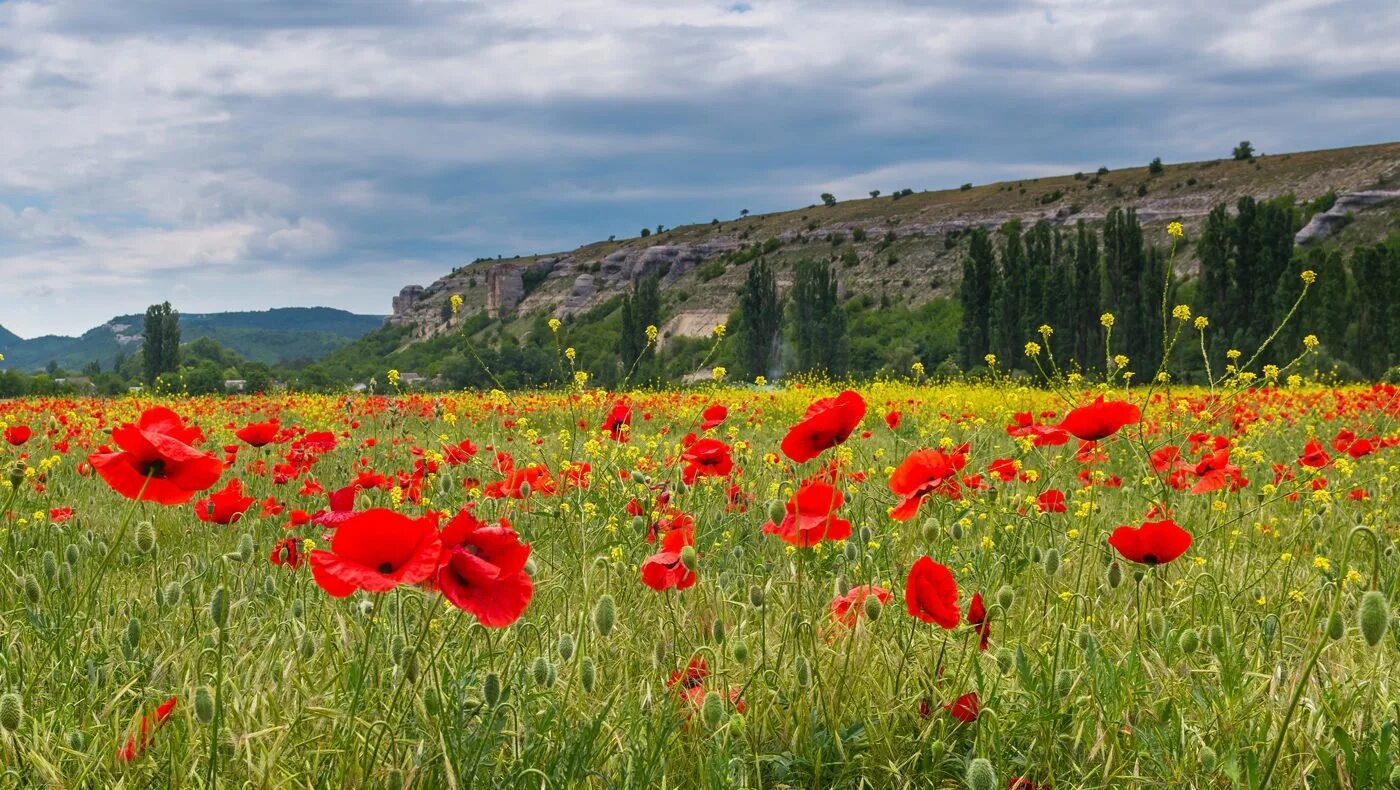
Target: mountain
904 249
269 336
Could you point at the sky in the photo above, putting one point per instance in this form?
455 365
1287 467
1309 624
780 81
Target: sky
271 153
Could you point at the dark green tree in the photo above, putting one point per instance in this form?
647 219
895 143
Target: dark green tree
160 341
760 318
819 323
1009 298
979 275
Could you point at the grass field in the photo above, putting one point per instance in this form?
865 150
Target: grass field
147 644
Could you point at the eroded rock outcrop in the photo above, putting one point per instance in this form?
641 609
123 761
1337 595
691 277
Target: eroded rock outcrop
1334 219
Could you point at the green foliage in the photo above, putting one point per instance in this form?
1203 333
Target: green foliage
819 323
760 318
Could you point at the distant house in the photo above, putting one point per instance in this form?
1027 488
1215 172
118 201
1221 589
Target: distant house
359 386
77 382
235 385
411 379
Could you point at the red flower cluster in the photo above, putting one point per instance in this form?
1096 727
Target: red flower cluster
158 460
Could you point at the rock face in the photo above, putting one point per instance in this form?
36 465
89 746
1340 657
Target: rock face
505 287
580 295
1333 219
406 298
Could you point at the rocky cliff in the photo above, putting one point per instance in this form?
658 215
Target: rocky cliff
907 247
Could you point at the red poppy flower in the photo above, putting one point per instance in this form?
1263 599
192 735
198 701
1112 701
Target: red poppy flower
693 675
483 570
965 708
664 570
226 506
977 616
258 434
707 457
925 472
811 517
1100 419
1051 501
377 550
931 594
18 434
287 552
893 419
60 515
1153 543
159 448
846 609
714 416
827 423
619 422
136 744
1314 457
342 502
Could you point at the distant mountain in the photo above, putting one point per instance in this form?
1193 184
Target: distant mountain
269 336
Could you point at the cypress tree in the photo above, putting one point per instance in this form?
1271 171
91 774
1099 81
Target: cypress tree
975 294
760 317
819 322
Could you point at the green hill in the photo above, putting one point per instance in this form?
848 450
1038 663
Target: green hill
268 336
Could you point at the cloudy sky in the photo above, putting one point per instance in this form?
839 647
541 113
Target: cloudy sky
261 153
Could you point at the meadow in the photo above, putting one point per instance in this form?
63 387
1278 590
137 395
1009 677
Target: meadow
906 584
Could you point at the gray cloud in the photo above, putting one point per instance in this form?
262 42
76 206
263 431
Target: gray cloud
247 155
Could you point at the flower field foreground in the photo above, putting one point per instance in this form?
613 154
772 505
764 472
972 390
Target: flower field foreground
905 585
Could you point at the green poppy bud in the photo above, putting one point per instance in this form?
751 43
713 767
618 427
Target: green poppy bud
1085 638
145 537
690 558
1063 682
525 490
76 741
33 593
1052 562
658 654
11 711
1336 627
49 565
491 689
1005 658
980 775
717 631
588 673
1005 597
204 704
218 607
566 646
956 531
803 671
1215 637
865 534
307 646
1189 641
1156 623
605 615
741 651
133 632
1373 617
842 586
1207 759
540 671
929 529
72 553
639 524
873 607
776 511
173 593
711 709
852 551
756 597
1115 575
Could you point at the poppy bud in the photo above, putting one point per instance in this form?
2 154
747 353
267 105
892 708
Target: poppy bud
65 576
1336 627
1189 641
930 529
865 534
218 607
11 711
1138 575
689 558
639 478
842 586
245 548
1215 637
366 606
71 554
1086 639
1270 627
1156 623
1063 681
992 493
1004 659
756 597
776 511
160 597
410 668
395 780
658 654
1035 555
33 593
204 704
588 673
133 632
172 593
711 709
803 672
956 531
17 474
491 689
1207 759
1115 575
308 646
717 631
980 775
1005 597
873 607
741 651
145 537
397 649
1052 562
76 741
525 490
852 551
49 565
605 615
639 524
540 671
1373 617
566 646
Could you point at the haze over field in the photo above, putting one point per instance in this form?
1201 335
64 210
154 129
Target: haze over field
284 153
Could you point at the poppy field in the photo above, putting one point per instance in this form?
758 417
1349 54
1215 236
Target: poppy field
901 584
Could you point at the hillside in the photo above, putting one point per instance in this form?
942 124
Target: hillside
905 249
269 336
